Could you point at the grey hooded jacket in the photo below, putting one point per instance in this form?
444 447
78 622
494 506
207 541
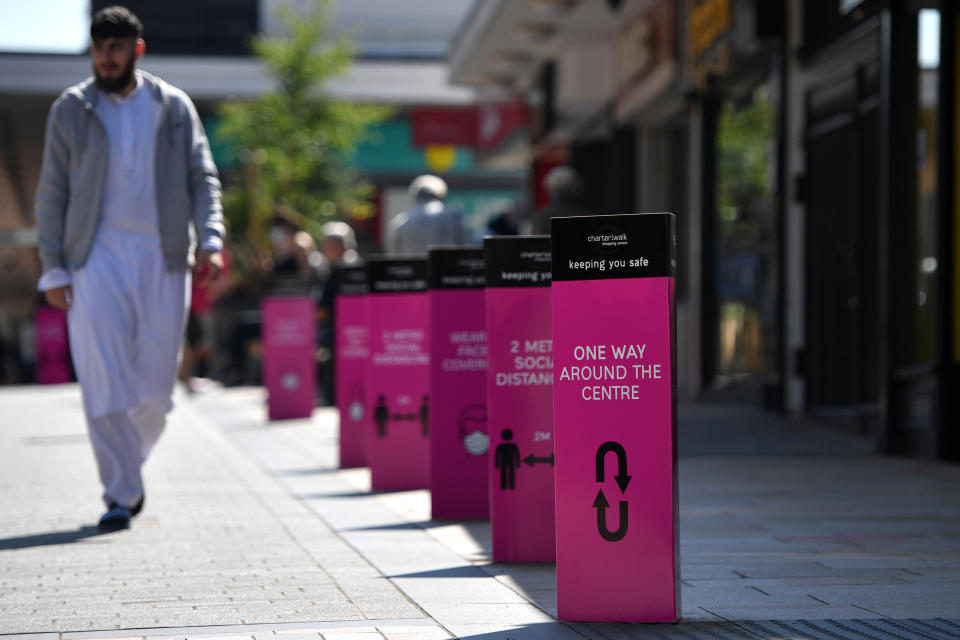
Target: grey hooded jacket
75 163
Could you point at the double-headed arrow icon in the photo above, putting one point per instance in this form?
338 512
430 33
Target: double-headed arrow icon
532 460
600 503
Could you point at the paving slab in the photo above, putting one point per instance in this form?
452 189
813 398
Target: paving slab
220 542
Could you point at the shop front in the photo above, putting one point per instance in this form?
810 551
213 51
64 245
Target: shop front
735 55
880 251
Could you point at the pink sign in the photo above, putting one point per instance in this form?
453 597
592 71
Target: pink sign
613 331
351 358
289 368
398 442
53 347
520 398
458 376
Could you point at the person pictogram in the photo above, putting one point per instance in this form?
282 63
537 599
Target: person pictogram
507 459
381 415
425 416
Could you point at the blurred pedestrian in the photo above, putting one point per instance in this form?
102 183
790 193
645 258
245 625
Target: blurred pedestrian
564 188
197 362
428 222
291 248
507 222
126 186
339 246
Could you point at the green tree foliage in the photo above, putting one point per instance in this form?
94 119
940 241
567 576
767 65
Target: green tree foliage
744 148
294 141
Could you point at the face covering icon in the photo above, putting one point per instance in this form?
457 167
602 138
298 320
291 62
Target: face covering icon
355 408
290 381
473 430
356 411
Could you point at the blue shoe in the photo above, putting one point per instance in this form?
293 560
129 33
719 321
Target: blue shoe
115 518
134 510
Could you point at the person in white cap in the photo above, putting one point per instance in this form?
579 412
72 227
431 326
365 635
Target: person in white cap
428 222
126 186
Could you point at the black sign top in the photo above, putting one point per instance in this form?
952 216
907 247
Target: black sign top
351 281
455 267
517 261
401 274
639 245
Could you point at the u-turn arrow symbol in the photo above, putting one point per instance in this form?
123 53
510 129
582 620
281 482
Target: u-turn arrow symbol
622 478
601 504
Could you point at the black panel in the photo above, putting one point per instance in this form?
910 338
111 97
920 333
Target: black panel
614 247
351 281
397 275
455 268
517 261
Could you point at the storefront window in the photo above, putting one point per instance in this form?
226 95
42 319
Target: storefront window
746 250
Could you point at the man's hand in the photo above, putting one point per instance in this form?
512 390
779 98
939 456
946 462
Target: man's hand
209 265
61 297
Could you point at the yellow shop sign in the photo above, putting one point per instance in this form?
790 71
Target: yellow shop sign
709 20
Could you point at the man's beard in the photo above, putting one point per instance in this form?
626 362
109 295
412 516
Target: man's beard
120 82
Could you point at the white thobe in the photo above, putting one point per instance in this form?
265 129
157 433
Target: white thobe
128 313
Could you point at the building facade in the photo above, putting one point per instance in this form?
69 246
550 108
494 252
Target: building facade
808 149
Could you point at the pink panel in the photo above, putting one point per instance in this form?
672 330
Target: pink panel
615 419
53 348
458 415
289 369
520 399
351 361
398 446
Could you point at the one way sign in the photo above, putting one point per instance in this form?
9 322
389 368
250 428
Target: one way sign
614 418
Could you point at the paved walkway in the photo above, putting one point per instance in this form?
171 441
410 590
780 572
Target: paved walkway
250 532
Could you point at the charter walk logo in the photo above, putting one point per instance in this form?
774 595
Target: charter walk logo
609 240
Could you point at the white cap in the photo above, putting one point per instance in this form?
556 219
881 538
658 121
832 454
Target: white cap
561 179
427 187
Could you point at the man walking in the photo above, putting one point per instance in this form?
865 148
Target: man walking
126 188
428 222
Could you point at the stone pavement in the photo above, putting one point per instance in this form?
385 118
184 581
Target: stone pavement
249 531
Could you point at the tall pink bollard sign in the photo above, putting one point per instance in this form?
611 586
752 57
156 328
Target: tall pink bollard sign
520 398
53 346
351 360
614 339
289 369
458 394
398 446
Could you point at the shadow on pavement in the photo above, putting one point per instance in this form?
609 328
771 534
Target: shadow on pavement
605 631
468 571
403 526
877 629
345 494
310 471
50 539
